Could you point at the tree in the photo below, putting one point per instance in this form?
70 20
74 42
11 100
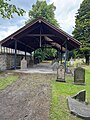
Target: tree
45 54
46 11
7 10
42 9
82 28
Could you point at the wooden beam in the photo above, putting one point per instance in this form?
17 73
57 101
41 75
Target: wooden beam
42 35
15 57
26 45
57 45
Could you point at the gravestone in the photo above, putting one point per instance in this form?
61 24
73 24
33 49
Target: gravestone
71 61
23 64
78 106
61 73
80 96
68 70
79 76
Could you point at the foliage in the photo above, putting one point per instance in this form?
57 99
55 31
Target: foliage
60 91
82 27
4 82
42 9
39 54
7 10
45 53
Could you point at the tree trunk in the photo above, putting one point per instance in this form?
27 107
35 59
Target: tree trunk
87 59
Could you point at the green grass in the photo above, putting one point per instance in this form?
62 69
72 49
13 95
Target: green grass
60 92
6 81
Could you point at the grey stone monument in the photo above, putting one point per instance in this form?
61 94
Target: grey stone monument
23 64
61 73
79 76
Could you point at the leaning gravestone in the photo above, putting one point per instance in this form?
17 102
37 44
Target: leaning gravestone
23 64
80 96
61 73
79 76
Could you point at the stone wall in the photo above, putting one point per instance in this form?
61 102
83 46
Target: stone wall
2 61
7 61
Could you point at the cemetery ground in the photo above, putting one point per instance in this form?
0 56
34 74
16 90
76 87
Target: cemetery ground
38 96
60 92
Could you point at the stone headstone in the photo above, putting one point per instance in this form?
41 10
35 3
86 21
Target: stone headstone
23 64
80 96
68 70
71 61
61 73
79 76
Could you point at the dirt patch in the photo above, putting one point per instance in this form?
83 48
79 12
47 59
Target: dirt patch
28 98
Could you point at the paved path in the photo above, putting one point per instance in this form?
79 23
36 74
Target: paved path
39 68
27 99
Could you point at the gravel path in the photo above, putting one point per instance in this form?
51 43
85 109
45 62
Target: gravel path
27 99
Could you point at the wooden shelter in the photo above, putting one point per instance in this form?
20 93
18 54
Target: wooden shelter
37 34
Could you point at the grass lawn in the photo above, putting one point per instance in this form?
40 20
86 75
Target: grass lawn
60 92
6 81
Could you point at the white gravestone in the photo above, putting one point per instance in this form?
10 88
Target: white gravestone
71 61
23 64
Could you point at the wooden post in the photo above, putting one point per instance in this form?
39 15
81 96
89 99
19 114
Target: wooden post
34 57
40 38
61 54
15 57
11 51
25 53
65 55
61 57
4 49
58 55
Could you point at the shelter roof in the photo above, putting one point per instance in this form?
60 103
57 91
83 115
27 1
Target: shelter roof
39 33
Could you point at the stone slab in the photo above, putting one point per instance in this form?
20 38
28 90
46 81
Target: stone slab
61 73
78 108
80 96
79 76
23 64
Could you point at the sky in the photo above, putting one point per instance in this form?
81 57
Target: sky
65 14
